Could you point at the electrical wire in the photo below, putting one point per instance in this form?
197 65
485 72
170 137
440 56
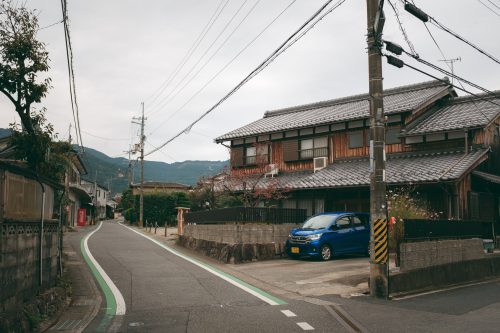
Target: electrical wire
107 139
292 39
447 82
51 25
449 66
71 76
489 8
498 7
190 52
165 101
225 66
419 59
403 31
456 35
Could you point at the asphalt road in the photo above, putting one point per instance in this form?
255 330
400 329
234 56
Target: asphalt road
166 293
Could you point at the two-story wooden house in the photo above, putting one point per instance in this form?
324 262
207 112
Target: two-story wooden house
443 145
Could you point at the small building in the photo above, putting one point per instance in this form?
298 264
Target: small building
444 146
80 202
159 187
100 195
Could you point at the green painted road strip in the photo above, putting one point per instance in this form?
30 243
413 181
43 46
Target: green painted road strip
266 297
115 304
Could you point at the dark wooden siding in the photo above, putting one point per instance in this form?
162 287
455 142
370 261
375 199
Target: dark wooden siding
237 156
290 150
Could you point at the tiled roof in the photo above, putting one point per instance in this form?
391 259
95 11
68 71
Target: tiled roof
397 100
418 167
460 113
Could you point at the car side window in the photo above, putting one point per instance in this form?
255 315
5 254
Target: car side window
357 222
343 223
364 220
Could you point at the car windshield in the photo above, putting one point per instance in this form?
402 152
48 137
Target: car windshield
319 222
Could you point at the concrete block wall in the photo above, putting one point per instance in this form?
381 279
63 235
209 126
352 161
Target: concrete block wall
240 233
20 263
433 253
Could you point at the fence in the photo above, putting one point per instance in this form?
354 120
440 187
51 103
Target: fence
247 214
447 229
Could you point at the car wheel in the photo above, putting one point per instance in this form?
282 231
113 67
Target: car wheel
326 252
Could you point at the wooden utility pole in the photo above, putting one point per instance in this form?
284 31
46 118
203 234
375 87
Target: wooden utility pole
141 203
378 204
141 144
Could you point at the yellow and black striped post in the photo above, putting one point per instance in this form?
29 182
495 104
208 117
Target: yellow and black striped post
381 241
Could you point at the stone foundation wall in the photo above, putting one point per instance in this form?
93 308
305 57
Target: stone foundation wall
433 253
237 243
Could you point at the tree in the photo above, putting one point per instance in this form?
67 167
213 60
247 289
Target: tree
22 58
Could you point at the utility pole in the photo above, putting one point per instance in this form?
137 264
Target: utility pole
141 192
378 204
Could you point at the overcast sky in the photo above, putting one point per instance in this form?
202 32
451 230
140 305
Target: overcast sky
125 50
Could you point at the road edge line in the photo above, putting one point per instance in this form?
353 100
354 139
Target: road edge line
115 304
259 293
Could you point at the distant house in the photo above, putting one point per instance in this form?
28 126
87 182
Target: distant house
159 187
80 202
445 146
100 195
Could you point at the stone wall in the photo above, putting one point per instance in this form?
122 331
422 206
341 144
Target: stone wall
20 263
239 233
237 242
433 253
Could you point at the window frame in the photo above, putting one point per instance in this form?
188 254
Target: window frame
317 150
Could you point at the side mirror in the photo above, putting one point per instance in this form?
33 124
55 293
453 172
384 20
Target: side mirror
334 227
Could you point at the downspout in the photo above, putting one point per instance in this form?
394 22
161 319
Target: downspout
60 234
41 228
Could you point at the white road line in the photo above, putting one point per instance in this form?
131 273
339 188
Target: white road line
288 313
120 302
222 275
305 326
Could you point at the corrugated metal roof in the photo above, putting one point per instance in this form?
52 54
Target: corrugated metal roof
406 168
460 113
397 100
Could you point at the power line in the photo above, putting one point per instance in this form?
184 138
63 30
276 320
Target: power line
402 63
191 50
71 76
165 101
104 138
494 4
489 8
226 65
403 31
292 39
454 34
449 65
51 25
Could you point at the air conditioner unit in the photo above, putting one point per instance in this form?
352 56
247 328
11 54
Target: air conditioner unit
320 163
271 170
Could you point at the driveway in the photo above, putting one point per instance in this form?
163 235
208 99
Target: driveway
342 276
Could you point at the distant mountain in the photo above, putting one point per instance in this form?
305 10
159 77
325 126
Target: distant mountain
4 132
113 171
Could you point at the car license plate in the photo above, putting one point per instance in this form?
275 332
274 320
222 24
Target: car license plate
295 250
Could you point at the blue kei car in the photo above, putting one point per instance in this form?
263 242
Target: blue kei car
329 234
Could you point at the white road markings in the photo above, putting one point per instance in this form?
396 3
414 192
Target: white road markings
305 326
271 300
288 313
120 302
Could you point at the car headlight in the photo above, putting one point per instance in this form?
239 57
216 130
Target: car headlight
314 237
289 236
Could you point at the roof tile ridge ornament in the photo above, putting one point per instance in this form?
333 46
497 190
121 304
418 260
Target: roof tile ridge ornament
353 98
